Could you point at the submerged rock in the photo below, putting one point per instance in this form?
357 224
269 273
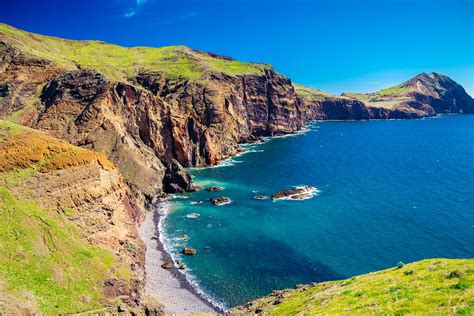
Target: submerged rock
182 266
167 265
298 193
223 200
189 251
214 188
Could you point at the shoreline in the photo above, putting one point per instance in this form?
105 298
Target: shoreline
199 299
169 287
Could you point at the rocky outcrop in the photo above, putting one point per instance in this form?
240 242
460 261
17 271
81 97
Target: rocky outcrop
189 251
223 200
297 193
176 179
214 188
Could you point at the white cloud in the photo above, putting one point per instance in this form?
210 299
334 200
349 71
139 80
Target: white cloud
130 13
134 10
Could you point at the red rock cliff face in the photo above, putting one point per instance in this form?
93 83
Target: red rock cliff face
149 119
144 124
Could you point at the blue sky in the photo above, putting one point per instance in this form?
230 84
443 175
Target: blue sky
339 45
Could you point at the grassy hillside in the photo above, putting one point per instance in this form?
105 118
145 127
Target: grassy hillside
385 98
120 62
311 93
440 286
46 264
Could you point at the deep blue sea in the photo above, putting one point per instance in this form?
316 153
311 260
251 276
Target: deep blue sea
390 191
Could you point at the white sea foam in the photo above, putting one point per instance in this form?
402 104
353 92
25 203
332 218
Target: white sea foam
225 203
309 194
193 215
168 245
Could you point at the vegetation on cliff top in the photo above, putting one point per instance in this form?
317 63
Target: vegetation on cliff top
120 62
385 98
313 94
440 286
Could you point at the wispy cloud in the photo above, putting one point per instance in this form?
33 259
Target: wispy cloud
189 15
130 13
135 9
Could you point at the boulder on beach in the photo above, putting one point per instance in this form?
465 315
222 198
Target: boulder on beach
214 188
298 193
189 251
167 265
220 200
182 266
261 197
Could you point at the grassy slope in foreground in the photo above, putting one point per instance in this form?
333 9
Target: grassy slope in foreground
120 62
436 285
46 265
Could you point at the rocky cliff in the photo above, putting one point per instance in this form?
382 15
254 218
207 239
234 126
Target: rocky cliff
423 95
144 107
144 117
68 228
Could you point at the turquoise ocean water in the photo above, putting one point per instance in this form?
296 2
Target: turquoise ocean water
390 191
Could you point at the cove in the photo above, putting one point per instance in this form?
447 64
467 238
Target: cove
389 191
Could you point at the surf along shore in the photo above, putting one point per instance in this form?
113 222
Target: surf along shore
171 287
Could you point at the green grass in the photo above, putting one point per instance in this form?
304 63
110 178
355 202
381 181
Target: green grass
120 62
357 96
397 90
440 286
311 93
385 98
43 255
8 129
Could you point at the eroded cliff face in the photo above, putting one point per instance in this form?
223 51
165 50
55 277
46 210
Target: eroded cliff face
84 189
195 111
145 123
